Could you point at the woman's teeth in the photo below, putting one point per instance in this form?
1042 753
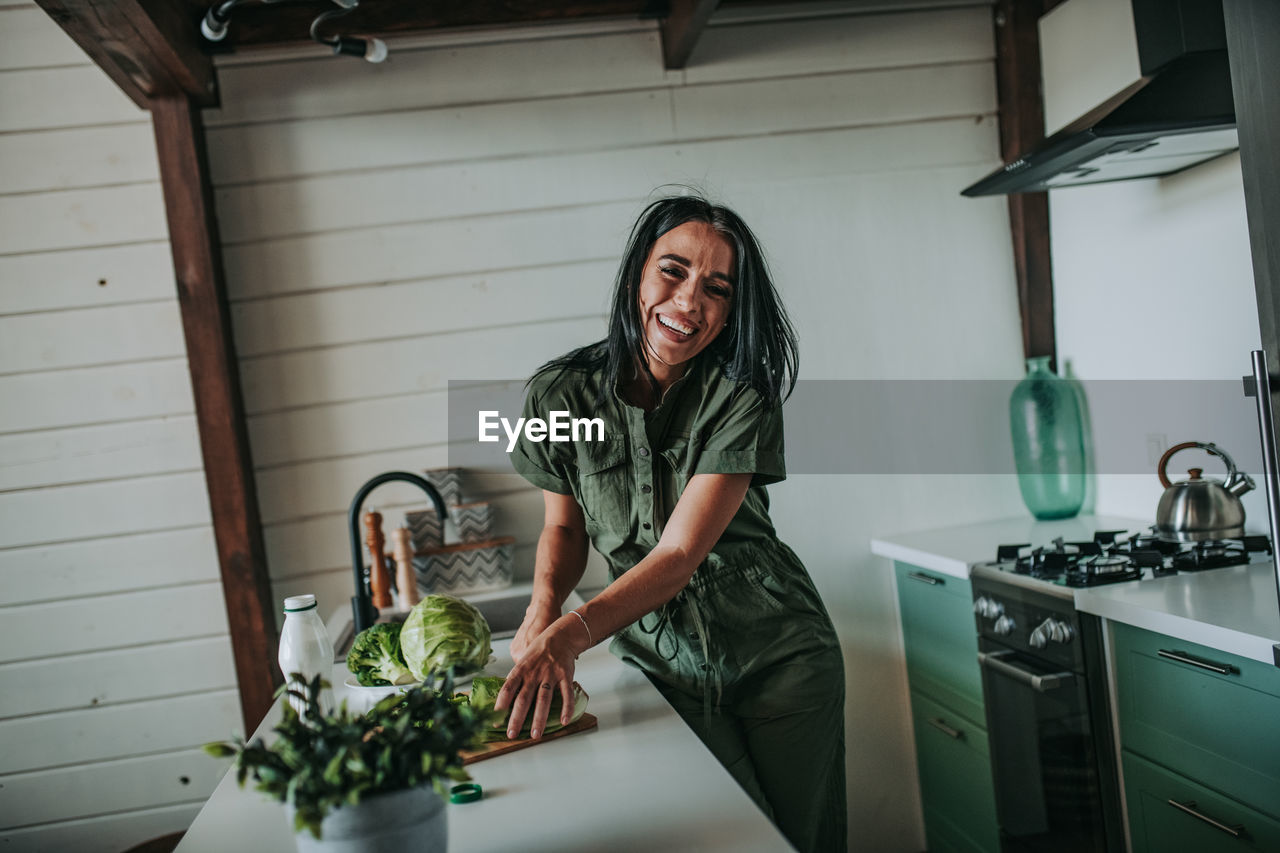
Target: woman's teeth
671 324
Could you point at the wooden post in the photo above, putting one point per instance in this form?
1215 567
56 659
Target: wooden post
1021 108
215 381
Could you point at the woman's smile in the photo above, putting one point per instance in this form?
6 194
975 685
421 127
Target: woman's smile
685 296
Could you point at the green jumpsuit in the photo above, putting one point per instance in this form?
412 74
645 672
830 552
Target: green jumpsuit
746 652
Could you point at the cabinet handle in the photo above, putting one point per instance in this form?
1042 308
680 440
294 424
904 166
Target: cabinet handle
1190 660
923 578
954 734
1189 807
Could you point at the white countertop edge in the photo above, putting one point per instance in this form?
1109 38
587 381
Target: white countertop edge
1179 627
923 559
641 778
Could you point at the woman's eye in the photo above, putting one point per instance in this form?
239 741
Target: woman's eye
720 290
671 271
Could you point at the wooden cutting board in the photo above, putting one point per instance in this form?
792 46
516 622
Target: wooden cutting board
500 747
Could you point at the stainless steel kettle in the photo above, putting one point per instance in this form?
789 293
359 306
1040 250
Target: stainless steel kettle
1199 508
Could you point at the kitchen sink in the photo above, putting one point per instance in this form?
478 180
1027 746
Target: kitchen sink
502 609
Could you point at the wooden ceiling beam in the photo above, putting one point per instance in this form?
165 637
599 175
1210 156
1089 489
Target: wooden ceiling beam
682 28
149 48
261 24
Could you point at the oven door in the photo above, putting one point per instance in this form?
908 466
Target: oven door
1044 760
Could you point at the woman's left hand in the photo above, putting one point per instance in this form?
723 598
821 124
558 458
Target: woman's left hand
546 666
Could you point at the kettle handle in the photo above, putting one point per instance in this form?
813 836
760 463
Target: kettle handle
1208 447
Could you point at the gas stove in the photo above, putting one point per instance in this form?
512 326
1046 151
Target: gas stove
1044 679
1114 556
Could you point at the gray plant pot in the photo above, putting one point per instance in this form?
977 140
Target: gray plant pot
397 822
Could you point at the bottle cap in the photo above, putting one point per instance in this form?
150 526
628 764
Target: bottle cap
295 603
468 793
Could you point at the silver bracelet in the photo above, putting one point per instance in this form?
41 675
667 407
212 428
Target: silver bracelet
590 639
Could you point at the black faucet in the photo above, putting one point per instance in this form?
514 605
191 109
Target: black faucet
362 609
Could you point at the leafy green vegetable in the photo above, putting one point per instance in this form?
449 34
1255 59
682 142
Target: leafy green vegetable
375 656
484 693
441 631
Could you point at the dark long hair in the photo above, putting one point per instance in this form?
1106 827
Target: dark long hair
757 347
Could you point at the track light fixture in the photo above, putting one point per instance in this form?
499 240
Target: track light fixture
372 49
214 28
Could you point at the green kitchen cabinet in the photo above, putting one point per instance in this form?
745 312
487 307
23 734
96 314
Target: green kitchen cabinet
1197 726
1169 813
948 715
955 779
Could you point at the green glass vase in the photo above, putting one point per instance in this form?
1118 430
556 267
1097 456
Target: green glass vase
1048 442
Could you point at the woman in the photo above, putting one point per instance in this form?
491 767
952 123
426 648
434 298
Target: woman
704 598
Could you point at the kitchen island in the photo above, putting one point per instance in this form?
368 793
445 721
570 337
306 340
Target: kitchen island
641 781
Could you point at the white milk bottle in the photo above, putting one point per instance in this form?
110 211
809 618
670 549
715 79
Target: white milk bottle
305 647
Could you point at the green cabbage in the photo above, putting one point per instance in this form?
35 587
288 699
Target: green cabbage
484 693
375 656
441 631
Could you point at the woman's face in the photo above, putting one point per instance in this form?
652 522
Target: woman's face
685 296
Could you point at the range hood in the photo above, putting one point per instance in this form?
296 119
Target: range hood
1174 111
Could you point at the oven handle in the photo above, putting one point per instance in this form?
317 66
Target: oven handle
1039 683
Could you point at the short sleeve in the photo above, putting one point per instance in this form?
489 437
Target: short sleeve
745 439
538 461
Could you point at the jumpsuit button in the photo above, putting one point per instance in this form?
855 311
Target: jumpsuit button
646 488
644 451
646 525
693 635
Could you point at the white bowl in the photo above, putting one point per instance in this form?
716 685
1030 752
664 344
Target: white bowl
361 698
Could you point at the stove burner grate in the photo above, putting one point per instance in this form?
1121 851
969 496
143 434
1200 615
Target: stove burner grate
1108 558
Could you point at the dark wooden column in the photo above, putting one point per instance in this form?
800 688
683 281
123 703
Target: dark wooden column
215 380
682 28
1253 46
1021 108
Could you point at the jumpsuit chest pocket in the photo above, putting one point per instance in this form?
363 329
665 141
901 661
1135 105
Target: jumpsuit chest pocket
604 483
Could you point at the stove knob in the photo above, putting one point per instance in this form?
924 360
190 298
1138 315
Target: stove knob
1042 634
1004 626
1060 632
987 608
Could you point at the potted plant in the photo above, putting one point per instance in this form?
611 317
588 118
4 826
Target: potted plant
368 782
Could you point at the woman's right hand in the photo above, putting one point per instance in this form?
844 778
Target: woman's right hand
536 620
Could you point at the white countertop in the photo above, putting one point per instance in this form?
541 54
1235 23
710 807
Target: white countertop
642 781
954 550
1234 610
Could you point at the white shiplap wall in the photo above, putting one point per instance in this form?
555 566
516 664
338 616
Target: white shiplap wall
457 213
115 664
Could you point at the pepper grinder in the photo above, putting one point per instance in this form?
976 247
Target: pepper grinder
379 579
406 577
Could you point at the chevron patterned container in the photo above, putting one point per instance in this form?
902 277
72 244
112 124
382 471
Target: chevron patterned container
425 529
472 520
447 482
466 567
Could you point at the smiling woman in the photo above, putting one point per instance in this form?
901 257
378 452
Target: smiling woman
705 599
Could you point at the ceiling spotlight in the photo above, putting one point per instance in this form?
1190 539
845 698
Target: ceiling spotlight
214 25
372 49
